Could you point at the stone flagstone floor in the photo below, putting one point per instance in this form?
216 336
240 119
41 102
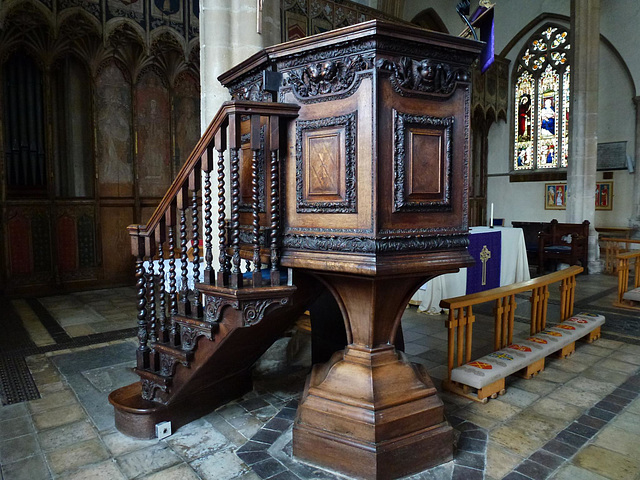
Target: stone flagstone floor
578 419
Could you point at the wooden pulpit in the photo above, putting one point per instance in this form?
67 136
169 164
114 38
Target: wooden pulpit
375 188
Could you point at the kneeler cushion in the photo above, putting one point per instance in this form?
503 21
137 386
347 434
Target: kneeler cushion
633 295
525 351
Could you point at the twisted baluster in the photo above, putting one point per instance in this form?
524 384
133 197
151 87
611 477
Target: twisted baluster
161 294
141 295
183 306
152 303
236 275
196 306
173 294
275 274
274 142
208 231
255 199
223 276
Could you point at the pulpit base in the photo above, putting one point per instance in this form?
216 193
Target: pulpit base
371 415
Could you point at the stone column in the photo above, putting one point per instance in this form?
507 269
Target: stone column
583 133
634 221
229 35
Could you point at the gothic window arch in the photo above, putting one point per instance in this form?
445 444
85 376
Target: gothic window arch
541 107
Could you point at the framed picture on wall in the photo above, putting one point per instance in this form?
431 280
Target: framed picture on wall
604 195
555 196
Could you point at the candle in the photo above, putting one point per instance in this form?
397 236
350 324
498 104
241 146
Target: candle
491 220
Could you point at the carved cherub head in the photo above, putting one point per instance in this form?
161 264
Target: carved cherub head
426 70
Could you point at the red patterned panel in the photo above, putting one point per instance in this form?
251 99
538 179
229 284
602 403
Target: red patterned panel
67 244
20 245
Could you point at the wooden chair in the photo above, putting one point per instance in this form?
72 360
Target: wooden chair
564 242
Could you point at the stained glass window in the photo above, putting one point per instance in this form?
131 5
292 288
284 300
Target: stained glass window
541 111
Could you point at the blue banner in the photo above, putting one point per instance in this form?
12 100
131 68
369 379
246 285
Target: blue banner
486 250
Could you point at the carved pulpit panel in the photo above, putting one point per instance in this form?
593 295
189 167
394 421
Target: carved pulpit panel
325 165
422 162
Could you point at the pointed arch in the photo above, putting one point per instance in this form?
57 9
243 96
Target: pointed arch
429 19
540 133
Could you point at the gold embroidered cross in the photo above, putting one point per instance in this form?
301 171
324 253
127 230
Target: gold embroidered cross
485 255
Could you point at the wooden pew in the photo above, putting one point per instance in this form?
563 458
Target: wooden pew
564 242
628 298
524 355
612 247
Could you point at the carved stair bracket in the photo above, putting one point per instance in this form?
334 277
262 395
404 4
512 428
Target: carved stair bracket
154 391
253 303
215 305
423 76
167 364
253 311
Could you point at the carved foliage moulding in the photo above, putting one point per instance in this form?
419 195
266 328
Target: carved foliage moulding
438 128
329 78
323 164
371 245
409 76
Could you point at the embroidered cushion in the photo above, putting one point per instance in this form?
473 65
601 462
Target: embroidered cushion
633 295
525 351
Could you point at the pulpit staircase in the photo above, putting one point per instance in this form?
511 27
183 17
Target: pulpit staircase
197 345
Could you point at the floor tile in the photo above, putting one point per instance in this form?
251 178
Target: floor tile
55 400
576 397
196 440
178 472
147 461
222 465
58 416
571 472
118 443
18 448
519 398
15 427
606 463
619 441
107 470
30 468
500 460
76 455
627 421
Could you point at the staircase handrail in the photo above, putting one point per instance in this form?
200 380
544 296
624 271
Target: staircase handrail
220 120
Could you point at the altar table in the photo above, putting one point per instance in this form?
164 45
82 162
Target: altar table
514 267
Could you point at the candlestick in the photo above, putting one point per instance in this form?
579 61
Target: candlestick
491 220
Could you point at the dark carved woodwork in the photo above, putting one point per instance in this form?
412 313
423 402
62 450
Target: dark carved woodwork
208 231
184 306
325 165
152 304
255 198
137 244
274 142
328 78
405 221
369 409
161 287
196 306
423 76
214 306
224 269
236 274
422 170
